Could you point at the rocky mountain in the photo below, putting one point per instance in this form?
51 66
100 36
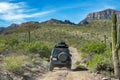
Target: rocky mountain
12 26
105 14
15 26
55 21
1 29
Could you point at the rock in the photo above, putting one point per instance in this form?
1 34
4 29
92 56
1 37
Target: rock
106 78
5 76
17 78
35 70
98 72
37 55
45 64
27 76
1 56
27 64
37 62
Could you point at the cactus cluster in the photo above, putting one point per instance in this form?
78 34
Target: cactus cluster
115 45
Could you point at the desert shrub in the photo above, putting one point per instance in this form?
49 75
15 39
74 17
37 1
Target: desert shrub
93 47
21 45
77 62
11 42
81 67
3 46
40 48
100 63
108 53
14 63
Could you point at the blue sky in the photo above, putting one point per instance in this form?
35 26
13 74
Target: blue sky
18 11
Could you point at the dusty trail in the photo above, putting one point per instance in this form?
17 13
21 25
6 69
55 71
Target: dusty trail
64 74
56 75
61 74
75 56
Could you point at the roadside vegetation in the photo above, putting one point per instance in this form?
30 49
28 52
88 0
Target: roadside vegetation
98 57
90 40
14 63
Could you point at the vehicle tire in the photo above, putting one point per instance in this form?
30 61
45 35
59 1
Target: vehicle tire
62 56
51 67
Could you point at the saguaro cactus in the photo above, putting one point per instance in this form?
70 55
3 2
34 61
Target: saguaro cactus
29 36
105 39
115 45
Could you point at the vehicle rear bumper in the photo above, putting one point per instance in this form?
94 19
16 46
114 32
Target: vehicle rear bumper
61 64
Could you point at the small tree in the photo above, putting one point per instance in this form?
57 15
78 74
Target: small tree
115 45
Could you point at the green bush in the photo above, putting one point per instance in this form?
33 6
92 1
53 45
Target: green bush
11 42
93 47
40 48
3 46
77 62
14 63
81 67
100 63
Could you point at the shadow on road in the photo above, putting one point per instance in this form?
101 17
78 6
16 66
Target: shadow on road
79 69
76 69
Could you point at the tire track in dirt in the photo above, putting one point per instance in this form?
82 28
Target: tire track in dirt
75 56
61 74
56 74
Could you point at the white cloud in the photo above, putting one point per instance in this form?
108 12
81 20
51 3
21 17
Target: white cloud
18 11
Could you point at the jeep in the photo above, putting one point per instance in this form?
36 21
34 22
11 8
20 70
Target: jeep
60 56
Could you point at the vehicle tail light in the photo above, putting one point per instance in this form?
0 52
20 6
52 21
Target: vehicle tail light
54 59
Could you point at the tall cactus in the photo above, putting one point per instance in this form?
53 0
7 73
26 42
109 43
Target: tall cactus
115 45
29 36
118 35
105 40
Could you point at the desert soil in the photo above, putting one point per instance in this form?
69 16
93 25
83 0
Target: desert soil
64 74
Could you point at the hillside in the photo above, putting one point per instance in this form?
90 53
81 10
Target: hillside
67 33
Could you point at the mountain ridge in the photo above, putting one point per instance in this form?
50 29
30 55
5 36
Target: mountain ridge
104 14
99 15
56 21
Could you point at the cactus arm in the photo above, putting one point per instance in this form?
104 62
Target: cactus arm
114 31
118 36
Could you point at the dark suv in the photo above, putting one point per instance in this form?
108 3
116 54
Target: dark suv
60 56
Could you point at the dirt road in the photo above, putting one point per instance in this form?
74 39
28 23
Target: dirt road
64 74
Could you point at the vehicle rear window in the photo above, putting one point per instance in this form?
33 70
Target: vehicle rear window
59 50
